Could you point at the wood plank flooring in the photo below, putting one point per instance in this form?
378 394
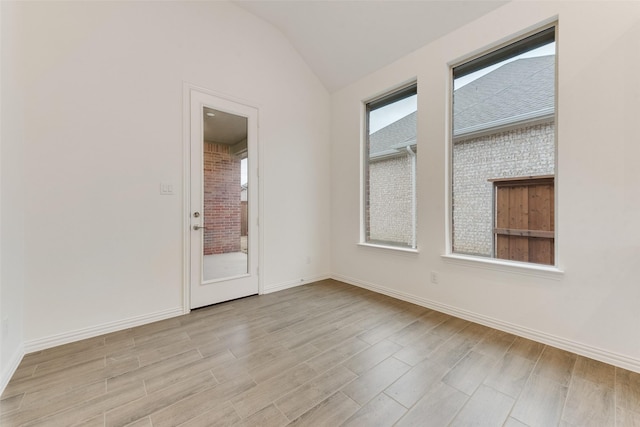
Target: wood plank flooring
325 354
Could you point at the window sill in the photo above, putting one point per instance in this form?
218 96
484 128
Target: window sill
526 269
389 247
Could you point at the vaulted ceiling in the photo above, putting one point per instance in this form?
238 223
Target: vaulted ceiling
343 41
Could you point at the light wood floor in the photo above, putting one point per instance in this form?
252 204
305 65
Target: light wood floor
323 354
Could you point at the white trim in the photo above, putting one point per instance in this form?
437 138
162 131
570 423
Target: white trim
386 155
294 283
364 124
452 139
504 125
224 279
556 182
585 350
186 197
187 89
390 247
506 41
94 331
364 136
522 268
261 209
8 372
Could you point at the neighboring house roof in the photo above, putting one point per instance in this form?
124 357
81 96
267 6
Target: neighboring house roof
393 138
518 91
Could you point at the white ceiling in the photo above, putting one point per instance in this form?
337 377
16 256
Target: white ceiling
224 128
343 41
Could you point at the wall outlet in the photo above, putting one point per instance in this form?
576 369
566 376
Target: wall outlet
435 277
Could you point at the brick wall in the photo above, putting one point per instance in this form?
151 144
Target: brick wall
221 200
527 151
390 200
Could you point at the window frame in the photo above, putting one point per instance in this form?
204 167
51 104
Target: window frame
491 262
388 97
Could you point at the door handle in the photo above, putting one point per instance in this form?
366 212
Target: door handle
199 227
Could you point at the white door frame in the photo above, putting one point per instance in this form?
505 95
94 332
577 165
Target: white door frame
188 89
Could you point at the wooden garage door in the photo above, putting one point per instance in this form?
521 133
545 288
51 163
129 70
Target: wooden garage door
524 223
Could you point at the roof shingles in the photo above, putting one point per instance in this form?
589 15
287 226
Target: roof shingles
518 88
522 88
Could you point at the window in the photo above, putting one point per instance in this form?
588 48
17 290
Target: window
503 152
390 170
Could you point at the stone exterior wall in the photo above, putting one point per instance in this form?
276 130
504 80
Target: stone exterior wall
528 151
221 200
390 200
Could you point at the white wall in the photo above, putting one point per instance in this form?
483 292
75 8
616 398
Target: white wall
11 206
593 307
102 85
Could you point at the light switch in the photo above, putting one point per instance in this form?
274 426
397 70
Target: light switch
166 189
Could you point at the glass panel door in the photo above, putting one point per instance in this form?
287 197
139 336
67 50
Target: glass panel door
223 200
225 158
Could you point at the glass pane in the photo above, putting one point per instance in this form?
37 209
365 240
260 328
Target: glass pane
504 131
225 190
390 180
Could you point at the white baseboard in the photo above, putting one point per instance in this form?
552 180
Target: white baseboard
294 283
8 372
94 331
591 352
